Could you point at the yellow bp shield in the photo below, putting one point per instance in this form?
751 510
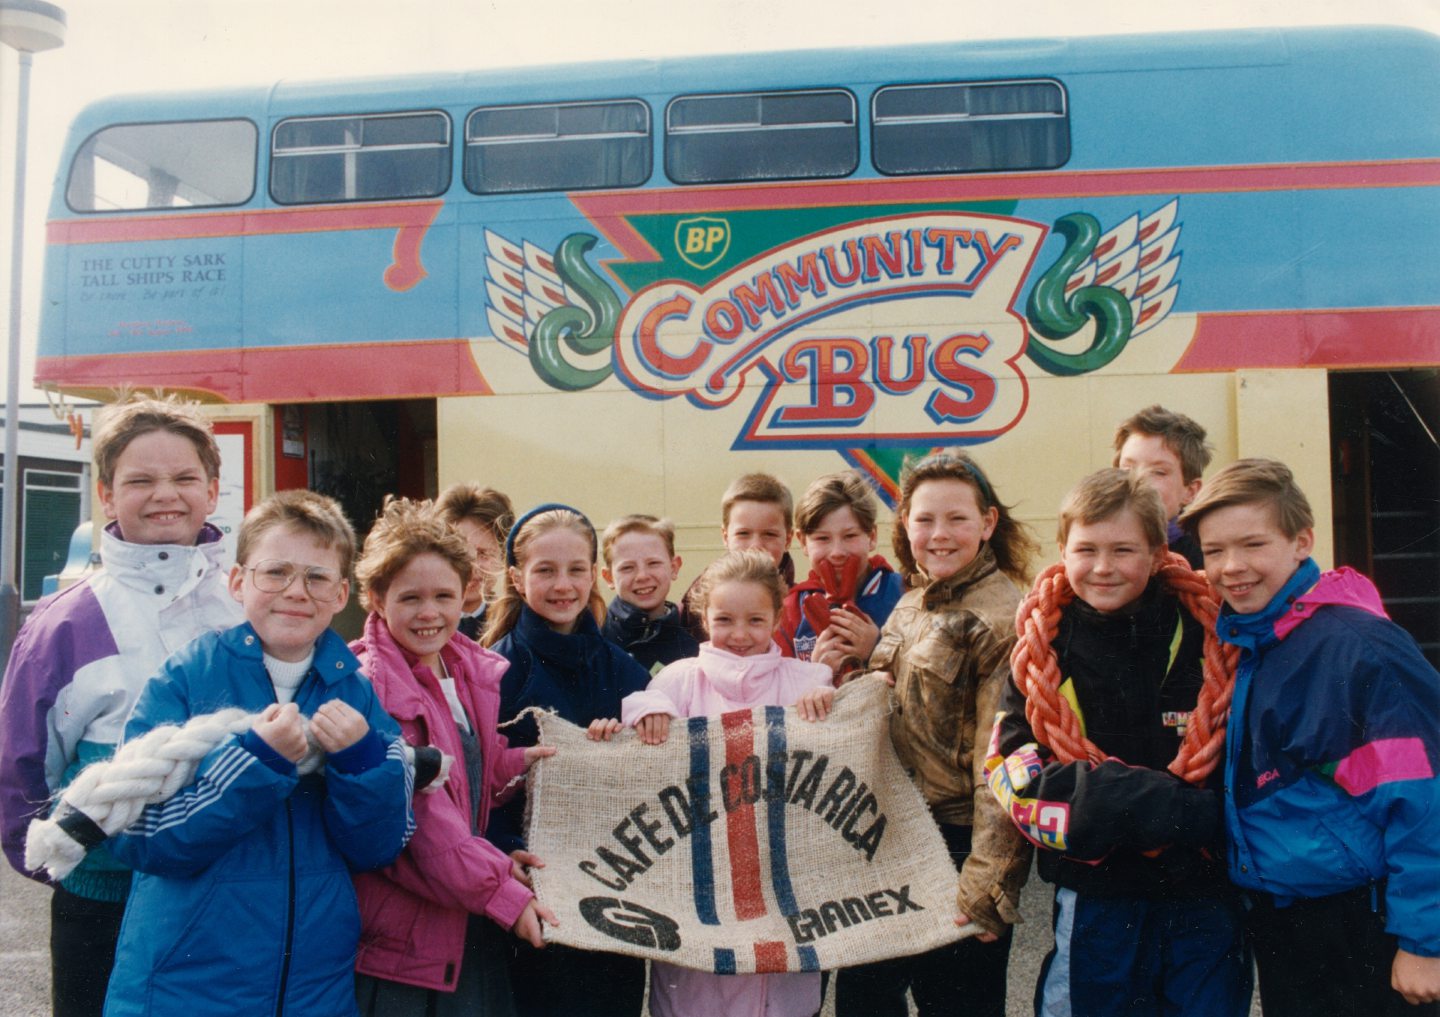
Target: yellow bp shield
702 240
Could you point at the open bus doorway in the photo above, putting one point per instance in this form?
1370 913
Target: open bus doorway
357 453
1385 474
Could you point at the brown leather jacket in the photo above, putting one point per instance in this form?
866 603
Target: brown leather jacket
948 645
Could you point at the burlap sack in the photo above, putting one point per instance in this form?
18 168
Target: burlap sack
749 842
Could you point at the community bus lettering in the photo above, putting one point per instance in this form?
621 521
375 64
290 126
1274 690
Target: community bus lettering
891 331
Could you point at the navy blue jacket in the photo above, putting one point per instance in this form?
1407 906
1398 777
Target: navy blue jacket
1332 753
243 901
653 642
582 676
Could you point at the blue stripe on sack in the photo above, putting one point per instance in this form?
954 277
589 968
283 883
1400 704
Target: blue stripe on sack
776 744
808 960
724 961
702 859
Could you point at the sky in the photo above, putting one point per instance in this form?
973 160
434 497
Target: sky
117 46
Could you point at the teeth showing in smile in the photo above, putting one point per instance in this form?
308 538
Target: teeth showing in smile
428 633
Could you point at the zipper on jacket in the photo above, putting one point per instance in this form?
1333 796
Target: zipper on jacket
289 914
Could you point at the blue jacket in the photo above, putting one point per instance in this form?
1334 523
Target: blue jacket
1332 753
877 598
653 642
243 901
582 676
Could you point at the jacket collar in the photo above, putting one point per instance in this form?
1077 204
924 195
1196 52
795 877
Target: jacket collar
561 647
1257 631
399 672
333 660
741 680
630 621
951 588
173 566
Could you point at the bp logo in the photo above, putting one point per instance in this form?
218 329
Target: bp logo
702 241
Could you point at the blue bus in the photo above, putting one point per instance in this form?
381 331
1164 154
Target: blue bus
623 284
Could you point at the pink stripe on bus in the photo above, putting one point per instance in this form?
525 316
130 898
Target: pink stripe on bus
1383 762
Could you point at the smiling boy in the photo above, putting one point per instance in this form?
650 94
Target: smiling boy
640 565
1170 451
1332 800
1145 921
85 653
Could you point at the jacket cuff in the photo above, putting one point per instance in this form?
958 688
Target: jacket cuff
1419 949
366 754
508 903
261 750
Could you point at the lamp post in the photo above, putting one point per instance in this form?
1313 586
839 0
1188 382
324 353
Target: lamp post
28 27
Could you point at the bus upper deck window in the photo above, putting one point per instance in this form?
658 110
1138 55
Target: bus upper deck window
557 146
178 164
970 127
761 136
367 157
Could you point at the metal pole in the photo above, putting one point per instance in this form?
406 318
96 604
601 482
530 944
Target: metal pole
9 591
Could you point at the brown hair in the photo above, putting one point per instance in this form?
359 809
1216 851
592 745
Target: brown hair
317 515
637 523
760 487
1251 481
749 566
138 415
403 531
846 489
505 612
1012 542
1181 435
484 506
1106 493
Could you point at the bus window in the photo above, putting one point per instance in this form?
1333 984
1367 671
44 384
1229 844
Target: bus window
712 139
970 127
171 165
360 158
557 147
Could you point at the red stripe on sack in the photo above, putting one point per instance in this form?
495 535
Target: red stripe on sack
770 958
740 820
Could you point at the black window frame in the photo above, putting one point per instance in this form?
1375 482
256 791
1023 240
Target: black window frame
647 138
448 147
671 131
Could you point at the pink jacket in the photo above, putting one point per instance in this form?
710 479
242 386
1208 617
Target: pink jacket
413 913
713 683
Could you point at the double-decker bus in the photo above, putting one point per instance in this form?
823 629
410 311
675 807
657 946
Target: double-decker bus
624 284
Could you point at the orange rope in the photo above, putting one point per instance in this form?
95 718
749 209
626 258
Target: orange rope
1037 673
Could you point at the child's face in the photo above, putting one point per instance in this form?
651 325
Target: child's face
290 620
421 607
556 577
946 526
1109 562
838 535
1248 556
641 570
487 560
757 524
160 493
1149 454
740 618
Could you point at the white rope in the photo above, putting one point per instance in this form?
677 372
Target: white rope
151 769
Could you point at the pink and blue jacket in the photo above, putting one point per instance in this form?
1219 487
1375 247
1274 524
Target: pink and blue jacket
1332 753
414 912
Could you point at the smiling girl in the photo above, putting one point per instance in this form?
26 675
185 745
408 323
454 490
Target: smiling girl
433 940
947 647
547 625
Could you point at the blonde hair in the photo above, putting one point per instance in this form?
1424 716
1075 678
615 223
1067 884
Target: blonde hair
505 612
1248 482
1107 493
846 489
486 507
1012 542
138 415
1181 435
316 515
637 523
761 487
749 566
403 531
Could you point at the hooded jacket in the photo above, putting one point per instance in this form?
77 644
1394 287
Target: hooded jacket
243 901
414 912
1332 753
77 668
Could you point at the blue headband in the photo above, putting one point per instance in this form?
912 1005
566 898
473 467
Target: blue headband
550 506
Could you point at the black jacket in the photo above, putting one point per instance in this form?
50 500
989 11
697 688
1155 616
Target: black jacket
651 641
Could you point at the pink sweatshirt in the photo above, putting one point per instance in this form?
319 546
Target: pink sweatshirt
713 683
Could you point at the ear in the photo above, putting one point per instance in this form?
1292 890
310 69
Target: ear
874 539
212 495
1191 490
1304 543
608 576
344 597
675 564
236 582
992 519
1158 558
517 579
107 499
